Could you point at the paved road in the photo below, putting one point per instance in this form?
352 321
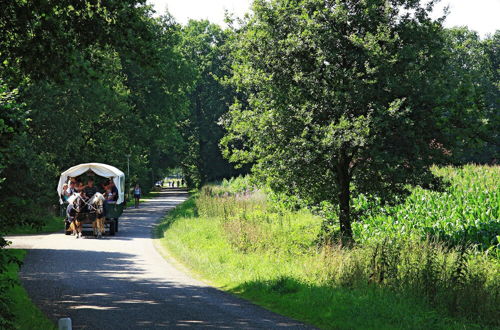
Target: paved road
122 282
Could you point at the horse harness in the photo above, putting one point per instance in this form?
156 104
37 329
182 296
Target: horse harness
90 207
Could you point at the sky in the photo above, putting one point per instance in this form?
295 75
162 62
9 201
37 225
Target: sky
482 16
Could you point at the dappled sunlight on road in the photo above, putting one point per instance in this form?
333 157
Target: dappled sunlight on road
122 279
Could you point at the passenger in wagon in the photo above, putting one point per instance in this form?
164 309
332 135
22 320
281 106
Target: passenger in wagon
108 195
71 188
65 193
111 195
114 191
89 190
79 187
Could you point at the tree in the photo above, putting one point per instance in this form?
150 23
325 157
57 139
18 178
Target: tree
204 46
65 54
95 96
43 39
472 78
492 96
343 99
79 82
12 119
158 102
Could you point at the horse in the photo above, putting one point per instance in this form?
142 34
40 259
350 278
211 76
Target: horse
86 211
96 204
76 207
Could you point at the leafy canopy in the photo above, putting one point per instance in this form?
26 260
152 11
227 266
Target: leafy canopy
205 47
339 98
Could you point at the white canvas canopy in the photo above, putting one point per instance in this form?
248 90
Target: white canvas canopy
106 171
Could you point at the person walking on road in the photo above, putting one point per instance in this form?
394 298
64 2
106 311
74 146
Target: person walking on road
137 195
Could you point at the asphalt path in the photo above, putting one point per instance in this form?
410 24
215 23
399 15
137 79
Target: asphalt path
122 281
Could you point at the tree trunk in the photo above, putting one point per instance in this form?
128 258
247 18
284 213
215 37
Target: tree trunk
344 181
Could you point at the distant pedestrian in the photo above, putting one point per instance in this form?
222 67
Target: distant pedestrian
137 195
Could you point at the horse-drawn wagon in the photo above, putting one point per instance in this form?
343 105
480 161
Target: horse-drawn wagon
92 212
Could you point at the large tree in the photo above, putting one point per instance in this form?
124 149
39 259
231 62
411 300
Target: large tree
99 81
473 78
205 48
344 97
43 39
96 81
158 102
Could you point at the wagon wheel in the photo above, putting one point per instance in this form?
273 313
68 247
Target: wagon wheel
66 226
112 228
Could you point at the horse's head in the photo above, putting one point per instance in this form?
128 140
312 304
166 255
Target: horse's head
78 202
97 201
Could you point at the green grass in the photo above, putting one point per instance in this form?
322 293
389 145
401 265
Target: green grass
26 315
51 224
292 284
343 308
238 241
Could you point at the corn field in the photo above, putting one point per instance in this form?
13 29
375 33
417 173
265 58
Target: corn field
466 212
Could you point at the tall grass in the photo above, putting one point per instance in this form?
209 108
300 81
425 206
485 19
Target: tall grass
238 239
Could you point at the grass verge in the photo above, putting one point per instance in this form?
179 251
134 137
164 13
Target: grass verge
26 315
51 224
317 287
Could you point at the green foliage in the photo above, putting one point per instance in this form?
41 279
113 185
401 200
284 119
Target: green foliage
473 78
95 99
233 186
12 119
467 212
83 82
240 240
205 48
8 261
25 315
340 99
46 39
51 224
